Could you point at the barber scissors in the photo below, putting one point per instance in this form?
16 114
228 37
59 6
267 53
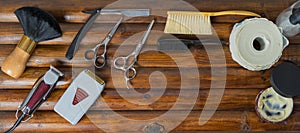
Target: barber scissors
125 63
91 54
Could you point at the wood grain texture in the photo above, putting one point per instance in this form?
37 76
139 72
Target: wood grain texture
218 55
241 99
236 78
11 33
235 112
45 121
269 9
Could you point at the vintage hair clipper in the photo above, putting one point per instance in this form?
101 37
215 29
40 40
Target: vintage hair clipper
39 93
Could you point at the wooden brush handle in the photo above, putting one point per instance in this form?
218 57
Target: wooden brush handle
14 64
233 12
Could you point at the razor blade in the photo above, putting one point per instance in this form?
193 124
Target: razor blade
127 12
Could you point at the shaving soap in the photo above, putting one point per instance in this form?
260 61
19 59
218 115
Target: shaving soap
272 106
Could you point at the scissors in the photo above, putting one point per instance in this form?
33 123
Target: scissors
100 60
125 63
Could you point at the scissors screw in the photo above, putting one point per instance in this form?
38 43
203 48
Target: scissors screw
146 96
154 128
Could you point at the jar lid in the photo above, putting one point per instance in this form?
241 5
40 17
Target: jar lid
285 79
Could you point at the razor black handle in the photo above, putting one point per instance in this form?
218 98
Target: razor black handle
82 32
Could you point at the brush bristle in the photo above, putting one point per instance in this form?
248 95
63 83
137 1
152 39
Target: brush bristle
188 23
37 24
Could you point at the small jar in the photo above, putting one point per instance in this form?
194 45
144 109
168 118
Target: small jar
272 107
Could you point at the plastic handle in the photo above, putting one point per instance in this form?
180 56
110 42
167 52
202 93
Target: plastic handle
38 96
82 32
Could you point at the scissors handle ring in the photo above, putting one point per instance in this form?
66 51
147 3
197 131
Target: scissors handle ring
119 65
88 53
130 75
100 61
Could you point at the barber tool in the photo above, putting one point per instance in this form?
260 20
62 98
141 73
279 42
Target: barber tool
289 20
256 44
100 60
174 44
39 93
275 104
38 26
188 22
125 63
79 97
94 14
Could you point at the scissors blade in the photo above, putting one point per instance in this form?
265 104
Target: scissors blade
146 34
144 39
114 29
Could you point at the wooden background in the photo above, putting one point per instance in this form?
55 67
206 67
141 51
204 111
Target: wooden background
235 112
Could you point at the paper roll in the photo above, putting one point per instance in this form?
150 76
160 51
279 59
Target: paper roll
256 44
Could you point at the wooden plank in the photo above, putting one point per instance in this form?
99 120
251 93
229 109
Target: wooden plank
235 112
43 56
268 8
236 78
11 99
48 121
10 33
232 99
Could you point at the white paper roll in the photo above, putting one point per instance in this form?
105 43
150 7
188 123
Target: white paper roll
256 44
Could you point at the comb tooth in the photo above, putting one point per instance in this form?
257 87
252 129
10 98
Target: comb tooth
182 23
177 25
209 26
188 24
192 27
173 22
200 18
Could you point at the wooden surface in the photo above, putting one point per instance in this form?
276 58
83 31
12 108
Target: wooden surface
234 113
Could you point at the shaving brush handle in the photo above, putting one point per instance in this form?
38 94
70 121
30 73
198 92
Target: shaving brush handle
14 64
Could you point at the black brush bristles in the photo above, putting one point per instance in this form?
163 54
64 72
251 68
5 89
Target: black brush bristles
37 24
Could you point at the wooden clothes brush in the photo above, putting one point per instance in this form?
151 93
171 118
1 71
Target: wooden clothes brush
186 22
38 26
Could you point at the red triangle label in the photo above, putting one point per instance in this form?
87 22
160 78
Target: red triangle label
79 96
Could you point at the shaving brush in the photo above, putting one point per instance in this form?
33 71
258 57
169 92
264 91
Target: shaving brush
38 26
